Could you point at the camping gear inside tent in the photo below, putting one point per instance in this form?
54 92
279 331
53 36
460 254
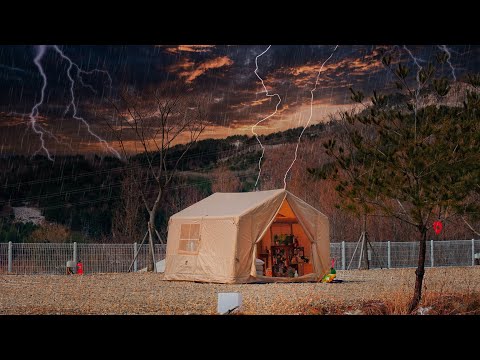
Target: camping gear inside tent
220 238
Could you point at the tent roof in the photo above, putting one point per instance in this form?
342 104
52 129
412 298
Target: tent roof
228 204
286 212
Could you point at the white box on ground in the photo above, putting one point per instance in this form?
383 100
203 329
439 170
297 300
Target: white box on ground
228 301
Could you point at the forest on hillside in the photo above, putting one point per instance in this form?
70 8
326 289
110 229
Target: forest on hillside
86 199
82 193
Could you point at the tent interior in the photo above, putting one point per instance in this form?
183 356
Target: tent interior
285 248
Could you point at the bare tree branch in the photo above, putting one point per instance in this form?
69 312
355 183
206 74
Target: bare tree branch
158 129
470 226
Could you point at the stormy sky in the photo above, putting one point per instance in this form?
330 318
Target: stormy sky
223 75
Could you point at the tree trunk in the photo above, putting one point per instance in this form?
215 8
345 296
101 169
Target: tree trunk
151 229
151 226
365 251
417 295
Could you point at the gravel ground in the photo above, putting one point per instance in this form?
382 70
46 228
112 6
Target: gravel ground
142 293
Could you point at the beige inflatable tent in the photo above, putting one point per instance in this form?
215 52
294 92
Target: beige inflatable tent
219 238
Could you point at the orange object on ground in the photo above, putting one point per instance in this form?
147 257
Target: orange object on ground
268 272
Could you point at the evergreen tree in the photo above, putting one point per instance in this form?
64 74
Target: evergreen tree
407 156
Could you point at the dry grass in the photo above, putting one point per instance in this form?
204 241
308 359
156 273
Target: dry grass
447 291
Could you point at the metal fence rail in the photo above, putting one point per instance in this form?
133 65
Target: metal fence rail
41 258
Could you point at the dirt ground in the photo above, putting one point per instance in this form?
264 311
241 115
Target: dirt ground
142 293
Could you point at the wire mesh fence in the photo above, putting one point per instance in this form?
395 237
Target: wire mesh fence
108 258
405 254
104 258
378 255
458 253
41 258
336 253
3 258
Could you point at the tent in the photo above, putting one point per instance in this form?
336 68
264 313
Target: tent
220 238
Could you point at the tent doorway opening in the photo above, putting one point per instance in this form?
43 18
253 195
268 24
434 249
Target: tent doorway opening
285 248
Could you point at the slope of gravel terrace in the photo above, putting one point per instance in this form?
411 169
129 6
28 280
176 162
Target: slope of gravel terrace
146 293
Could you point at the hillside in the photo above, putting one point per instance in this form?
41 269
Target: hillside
83 193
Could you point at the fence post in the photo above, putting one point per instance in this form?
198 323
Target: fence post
473 252
9 257
431 253
135 257
75 252
389 255
343 255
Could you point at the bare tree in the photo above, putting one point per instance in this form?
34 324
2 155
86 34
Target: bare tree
127 219
50 232
157 124
224 180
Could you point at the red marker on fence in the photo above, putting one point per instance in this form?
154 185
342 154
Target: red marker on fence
79 268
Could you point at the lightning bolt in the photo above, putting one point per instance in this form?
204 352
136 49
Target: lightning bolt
417 92
449 55
420 67
12 68
309 118
269 116
40 130
72 98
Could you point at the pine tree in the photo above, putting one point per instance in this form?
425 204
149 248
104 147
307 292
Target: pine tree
407 156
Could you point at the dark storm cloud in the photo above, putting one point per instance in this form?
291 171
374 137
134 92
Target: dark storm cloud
189 70
224 74
177 49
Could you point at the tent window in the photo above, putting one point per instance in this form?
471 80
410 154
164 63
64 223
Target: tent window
189 238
